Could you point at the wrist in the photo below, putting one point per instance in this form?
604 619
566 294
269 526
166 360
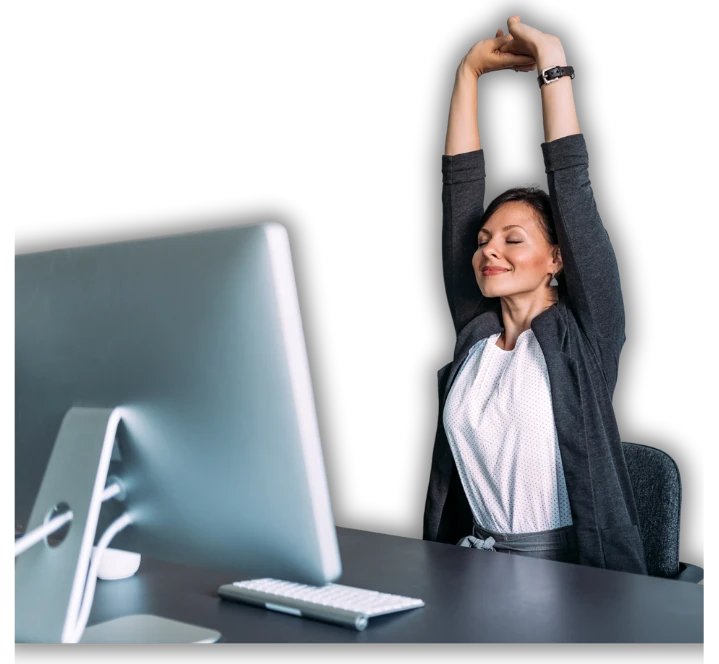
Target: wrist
550 56
465 70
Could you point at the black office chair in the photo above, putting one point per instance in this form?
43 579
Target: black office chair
658 495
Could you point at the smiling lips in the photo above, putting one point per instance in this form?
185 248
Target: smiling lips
489 271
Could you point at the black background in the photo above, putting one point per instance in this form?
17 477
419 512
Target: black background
134 125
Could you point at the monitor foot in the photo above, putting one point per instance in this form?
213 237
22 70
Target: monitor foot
147 628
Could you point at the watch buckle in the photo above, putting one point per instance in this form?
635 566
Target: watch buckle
546 80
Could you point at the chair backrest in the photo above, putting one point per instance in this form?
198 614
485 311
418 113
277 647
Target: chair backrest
658 495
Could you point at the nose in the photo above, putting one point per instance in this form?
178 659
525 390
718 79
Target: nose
488 250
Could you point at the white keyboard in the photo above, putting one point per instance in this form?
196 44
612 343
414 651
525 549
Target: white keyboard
343 605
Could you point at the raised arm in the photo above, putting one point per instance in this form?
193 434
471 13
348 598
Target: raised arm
559 113
463 176
589 264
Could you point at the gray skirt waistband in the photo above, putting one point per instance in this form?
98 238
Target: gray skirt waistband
559 539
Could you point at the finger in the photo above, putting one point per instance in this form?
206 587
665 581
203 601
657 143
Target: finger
513 48
521 30
522 61
509 60
499 33
516 49
500 41
514 25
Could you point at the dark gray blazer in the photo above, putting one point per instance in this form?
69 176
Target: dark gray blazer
581 337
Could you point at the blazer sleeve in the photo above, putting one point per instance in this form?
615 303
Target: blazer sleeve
463 177
590 266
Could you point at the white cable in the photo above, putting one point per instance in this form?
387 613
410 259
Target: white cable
38 534
41 532
113 529
111 491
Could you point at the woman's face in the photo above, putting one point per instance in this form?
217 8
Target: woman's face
513 240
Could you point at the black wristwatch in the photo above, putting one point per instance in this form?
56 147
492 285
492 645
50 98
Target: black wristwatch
551 74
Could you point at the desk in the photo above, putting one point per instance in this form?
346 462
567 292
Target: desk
470 596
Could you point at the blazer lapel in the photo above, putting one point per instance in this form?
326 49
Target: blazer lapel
482 326
568 406
443 463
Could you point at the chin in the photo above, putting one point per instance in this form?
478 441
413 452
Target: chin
495 291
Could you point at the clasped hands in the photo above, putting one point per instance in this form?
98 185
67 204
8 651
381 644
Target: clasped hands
522 49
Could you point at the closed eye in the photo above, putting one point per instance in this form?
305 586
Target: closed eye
481 244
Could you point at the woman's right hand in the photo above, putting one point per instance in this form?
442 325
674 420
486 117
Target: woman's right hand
486 56
530 41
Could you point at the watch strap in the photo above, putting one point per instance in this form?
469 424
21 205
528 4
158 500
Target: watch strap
551 74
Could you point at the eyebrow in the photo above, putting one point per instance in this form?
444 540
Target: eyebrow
506 228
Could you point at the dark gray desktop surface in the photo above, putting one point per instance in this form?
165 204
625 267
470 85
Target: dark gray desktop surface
470 596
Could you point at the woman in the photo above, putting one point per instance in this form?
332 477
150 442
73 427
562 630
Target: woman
528 459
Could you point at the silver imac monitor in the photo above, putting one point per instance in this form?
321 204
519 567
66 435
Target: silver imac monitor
197 340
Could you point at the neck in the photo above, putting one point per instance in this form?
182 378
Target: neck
518 312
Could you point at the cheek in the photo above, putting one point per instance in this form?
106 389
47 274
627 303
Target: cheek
476 258
528 258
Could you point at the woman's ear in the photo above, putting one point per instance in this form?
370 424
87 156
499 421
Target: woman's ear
557 265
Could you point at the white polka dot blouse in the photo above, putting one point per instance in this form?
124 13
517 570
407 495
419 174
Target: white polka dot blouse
500 425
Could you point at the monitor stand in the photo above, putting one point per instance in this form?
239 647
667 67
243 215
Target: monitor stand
147 628
50 580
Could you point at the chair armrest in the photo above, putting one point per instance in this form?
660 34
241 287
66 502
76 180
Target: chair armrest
690 573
